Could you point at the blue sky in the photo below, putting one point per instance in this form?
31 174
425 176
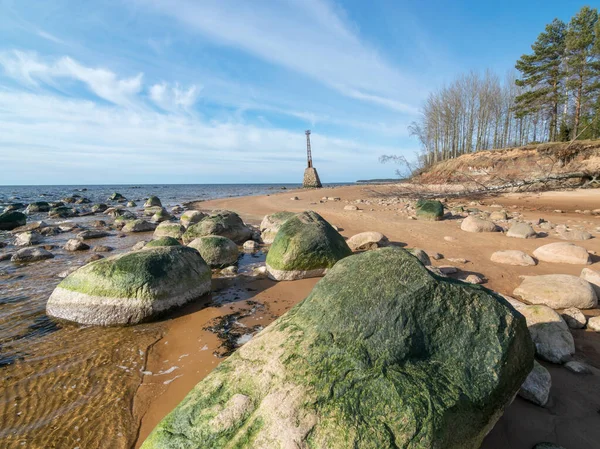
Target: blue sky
221 91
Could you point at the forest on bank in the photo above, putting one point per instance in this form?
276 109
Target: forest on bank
554 95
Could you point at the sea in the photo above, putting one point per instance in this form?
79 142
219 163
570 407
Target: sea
64 385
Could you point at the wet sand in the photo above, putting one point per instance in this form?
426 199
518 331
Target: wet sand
572 417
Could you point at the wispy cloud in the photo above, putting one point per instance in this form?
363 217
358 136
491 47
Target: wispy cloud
309 37
50 37
28 68
172 98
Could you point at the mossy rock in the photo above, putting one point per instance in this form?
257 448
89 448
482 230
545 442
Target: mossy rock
270 224
99 207
116 197
161 216
381 354
38 206
162 241
222 222
217 251
131 287
153 201
138 226
305 246
431 210
149 211
11 220
61 212
169 229
191 217
131 204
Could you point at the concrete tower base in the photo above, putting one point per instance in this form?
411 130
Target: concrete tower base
311 178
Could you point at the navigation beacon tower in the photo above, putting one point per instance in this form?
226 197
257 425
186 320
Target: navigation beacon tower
311 177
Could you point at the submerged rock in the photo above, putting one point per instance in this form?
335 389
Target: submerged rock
169 229
31 255
367 240
431 210
380 354
270 224
192 217
131 287
11 220
221 222
116 197
217 251
558 291
305 246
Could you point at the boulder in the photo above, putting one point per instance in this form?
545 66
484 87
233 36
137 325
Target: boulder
92 234
475 224
131 287
367 240
563 252
379 355
11 220
31 255
49 231
28 238
169 229
37 206
270 224
138 226
305 246
574 318
153 201
593 277
593 323
431 210
536 387
116 197
521 231
152 210
14 206
574 234
191 217
498 215
99 207
558 291
102 249
162 241
513 257
217 251
161 216
75 245
550 334
222 222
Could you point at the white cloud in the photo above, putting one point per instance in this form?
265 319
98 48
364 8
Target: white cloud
50 37
171 98
306 36
28 68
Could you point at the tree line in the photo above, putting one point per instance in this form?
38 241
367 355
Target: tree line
553 96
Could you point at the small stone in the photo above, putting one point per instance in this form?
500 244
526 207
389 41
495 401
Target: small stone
473 279
94 257
92 234
536 387
102 249
513 257
294 198
350 207
450 239
521 231
457 260
578 367
75 245
229 271
447 269
250 245
594 324
421 255
31 255
574 318
28 238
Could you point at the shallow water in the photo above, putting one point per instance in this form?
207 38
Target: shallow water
64 385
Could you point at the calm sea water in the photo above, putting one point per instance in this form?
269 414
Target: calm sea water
170 194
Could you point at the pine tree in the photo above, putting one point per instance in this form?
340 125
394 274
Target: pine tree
581 60
542 76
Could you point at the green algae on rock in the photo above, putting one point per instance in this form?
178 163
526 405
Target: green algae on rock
38 206
270 224
220 222
162 241
191 217
381 354
131 287
305 246
432 210
153 201
217 251
11 220
169 229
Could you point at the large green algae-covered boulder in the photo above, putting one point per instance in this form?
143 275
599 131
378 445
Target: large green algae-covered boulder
131 287
217 251
270 224
432 210
153 201
162 241
220 222
11 220
305 246
381 354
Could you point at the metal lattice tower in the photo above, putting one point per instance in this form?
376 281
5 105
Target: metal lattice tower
308 151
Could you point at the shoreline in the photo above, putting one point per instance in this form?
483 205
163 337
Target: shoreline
523 423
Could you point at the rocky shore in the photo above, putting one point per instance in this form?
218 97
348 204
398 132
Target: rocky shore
397 332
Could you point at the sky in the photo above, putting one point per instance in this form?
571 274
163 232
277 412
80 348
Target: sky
221 91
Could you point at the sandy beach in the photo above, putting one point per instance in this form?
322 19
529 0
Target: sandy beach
569 419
